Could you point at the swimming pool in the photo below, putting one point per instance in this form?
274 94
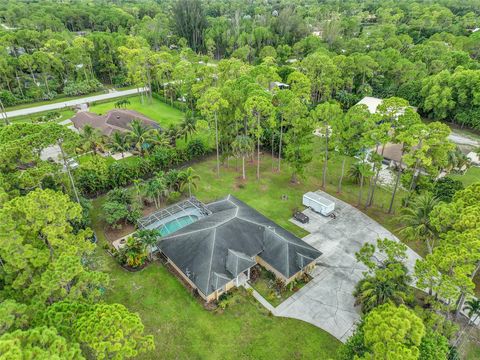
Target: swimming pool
177 224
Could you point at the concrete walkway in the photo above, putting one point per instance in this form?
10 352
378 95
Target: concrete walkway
260 298
327 301
70 103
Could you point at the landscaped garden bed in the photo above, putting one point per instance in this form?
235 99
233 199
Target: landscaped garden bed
271 288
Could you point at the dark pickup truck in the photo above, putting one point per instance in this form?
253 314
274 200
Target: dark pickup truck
301 217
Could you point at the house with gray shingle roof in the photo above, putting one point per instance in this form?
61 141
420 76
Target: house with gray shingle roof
216 252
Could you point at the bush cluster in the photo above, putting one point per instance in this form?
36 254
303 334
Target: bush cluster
95 176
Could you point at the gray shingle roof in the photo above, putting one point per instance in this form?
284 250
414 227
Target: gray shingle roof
215 249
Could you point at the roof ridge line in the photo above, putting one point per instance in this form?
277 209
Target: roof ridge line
211 257
194 231
267 227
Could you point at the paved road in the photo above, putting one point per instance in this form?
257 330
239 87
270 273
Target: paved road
327 301
70 103
460 139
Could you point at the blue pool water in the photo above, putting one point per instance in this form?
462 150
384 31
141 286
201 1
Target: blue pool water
177 224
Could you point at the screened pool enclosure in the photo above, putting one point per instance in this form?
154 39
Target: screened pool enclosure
174 217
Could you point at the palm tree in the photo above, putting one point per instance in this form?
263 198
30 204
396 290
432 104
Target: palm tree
416 218
91 139
118 142
159 138
457 160
189 179
388 284
148 238
134 252
242 147
156 189
188 126
357 173
472 307
173 133
139 135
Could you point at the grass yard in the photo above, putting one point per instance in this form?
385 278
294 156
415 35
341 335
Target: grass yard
64 115
183 329
471 176
157 110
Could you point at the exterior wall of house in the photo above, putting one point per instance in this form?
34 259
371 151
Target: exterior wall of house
185 277
213 296
216 294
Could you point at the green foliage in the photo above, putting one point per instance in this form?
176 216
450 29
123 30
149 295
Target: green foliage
392 332
13 316
120 207
39 343
456 257
446 187
417 221
112 332
434 346
82 87
36 235
384 282
196 148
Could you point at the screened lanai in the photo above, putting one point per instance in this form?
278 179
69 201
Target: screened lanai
174 217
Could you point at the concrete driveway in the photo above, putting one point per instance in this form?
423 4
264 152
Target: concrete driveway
327 300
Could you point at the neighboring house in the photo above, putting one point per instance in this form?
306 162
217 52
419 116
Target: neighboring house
277 84
392 153
474 158
215 253
114 120
371 102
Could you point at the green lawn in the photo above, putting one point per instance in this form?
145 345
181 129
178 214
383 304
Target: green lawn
65 114
157 110
183 329
471 176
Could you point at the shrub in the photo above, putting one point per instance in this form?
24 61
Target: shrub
196 148
445 188
7 98
280 285
82 87
174 196
92 175
120 207
163 157
49 95
173 180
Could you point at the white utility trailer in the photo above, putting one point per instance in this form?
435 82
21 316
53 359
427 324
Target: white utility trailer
318 203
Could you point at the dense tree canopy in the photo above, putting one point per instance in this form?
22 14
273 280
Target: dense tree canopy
424 52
